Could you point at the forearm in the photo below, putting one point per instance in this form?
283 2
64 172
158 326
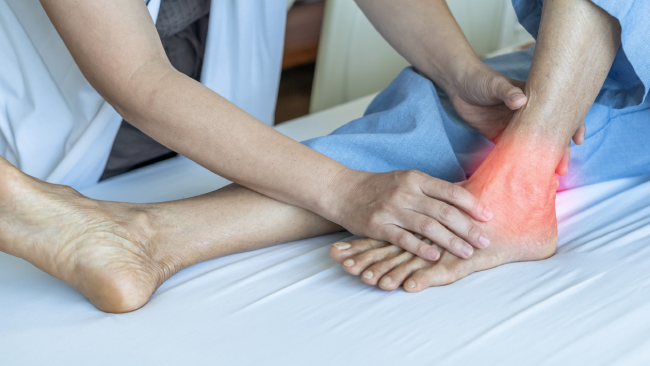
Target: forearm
576 46
189 118
426 34
118 49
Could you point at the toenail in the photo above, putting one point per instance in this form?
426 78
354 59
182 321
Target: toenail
385 281
484 241
348 263
468 251
342 246
410 284
368 274
487 213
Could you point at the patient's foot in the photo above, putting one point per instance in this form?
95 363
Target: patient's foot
100 248
521 193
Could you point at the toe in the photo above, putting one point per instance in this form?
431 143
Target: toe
427 277
393 279
344 250
375 272
446 271
357 264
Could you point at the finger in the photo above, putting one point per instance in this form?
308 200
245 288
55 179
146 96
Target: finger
457 196
563 167
459 224
579 136
407 241
510 94
437 233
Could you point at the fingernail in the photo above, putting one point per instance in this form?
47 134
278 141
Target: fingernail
434 254
342 246
487 213
385 281
348 263
468 251
484 240
367 274
410 284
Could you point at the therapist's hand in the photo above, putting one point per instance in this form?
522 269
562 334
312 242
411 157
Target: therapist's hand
396 206
488 100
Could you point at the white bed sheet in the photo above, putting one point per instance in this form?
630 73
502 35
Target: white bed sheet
292 305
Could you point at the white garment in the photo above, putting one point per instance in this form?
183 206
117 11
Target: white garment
244 53
56 127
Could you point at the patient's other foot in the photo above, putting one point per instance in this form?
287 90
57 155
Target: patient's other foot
521 193
100 248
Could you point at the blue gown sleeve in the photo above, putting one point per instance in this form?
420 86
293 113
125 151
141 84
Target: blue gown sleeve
628 81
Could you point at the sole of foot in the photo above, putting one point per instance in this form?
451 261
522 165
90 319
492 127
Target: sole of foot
100 248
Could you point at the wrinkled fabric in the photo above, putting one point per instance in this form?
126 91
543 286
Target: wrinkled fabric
412 125
628 81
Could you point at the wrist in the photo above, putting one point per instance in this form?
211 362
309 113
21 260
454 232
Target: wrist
451 74
339 191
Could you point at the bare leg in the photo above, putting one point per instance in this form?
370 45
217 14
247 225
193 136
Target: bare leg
576 47
118 254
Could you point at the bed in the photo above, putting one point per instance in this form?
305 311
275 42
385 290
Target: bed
293 305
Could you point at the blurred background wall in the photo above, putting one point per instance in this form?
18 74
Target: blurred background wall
334 55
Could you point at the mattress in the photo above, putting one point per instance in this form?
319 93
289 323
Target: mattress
293 305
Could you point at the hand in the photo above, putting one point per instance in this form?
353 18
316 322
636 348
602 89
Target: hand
488 100
396 206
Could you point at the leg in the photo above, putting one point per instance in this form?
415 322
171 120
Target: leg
576 47
118 254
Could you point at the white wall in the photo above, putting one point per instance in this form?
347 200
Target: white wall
354 60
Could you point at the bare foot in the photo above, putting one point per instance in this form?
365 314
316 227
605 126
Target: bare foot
102 249
524 228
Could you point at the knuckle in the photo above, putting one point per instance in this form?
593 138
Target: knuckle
403 240
411 175
427 226
455 242
446 213
421 248
455 191
474 232
375 221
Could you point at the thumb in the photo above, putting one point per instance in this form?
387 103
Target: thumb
510 94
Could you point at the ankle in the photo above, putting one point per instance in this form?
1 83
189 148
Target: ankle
519 175
146 227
